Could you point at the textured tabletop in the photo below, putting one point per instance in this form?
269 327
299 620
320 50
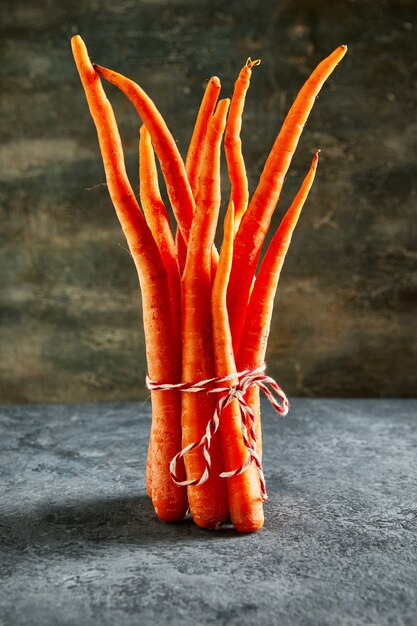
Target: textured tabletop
80 544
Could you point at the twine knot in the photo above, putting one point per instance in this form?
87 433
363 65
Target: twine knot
236 391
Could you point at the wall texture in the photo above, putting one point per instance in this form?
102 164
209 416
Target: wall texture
345 314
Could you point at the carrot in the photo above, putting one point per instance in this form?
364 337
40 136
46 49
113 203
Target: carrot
243 490
195 152
158 221
194 159
208 502
233 144
258 318
172 165
256 220
169 500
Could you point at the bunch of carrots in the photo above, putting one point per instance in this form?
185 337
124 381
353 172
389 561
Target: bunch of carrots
205 315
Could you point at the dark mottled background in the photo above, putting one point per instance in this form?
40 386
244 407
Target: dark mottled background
345 315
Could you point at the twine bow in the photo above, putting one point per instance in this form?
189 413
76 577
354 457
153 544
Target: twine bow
245 380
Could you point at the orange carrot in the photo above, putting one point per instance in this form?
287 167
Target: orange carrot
195 152
169 500
233 144
256 220
243 491
258 319
158 221
208 502
172 165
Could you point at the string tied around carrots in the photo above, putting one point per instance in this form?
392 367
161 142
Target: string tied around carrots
237 391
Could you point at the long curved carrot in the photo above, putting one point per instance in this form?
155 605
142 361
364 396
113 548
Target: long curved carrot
169 500
233 143
172 165
243 491
256 220
259 313
208 502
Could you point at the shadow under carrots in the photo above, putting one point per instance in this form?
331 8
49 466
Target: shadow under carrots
74 527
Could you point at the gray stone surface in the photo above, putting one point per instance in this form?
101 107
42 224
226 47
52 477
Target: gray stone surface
80 544
70 322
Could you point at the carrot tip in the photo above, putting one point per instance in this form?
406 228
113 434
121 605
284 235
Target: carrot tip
343 50
143 131
215 80
316 158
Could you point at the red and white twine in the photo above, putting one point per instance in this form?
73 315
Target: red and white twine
245 380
